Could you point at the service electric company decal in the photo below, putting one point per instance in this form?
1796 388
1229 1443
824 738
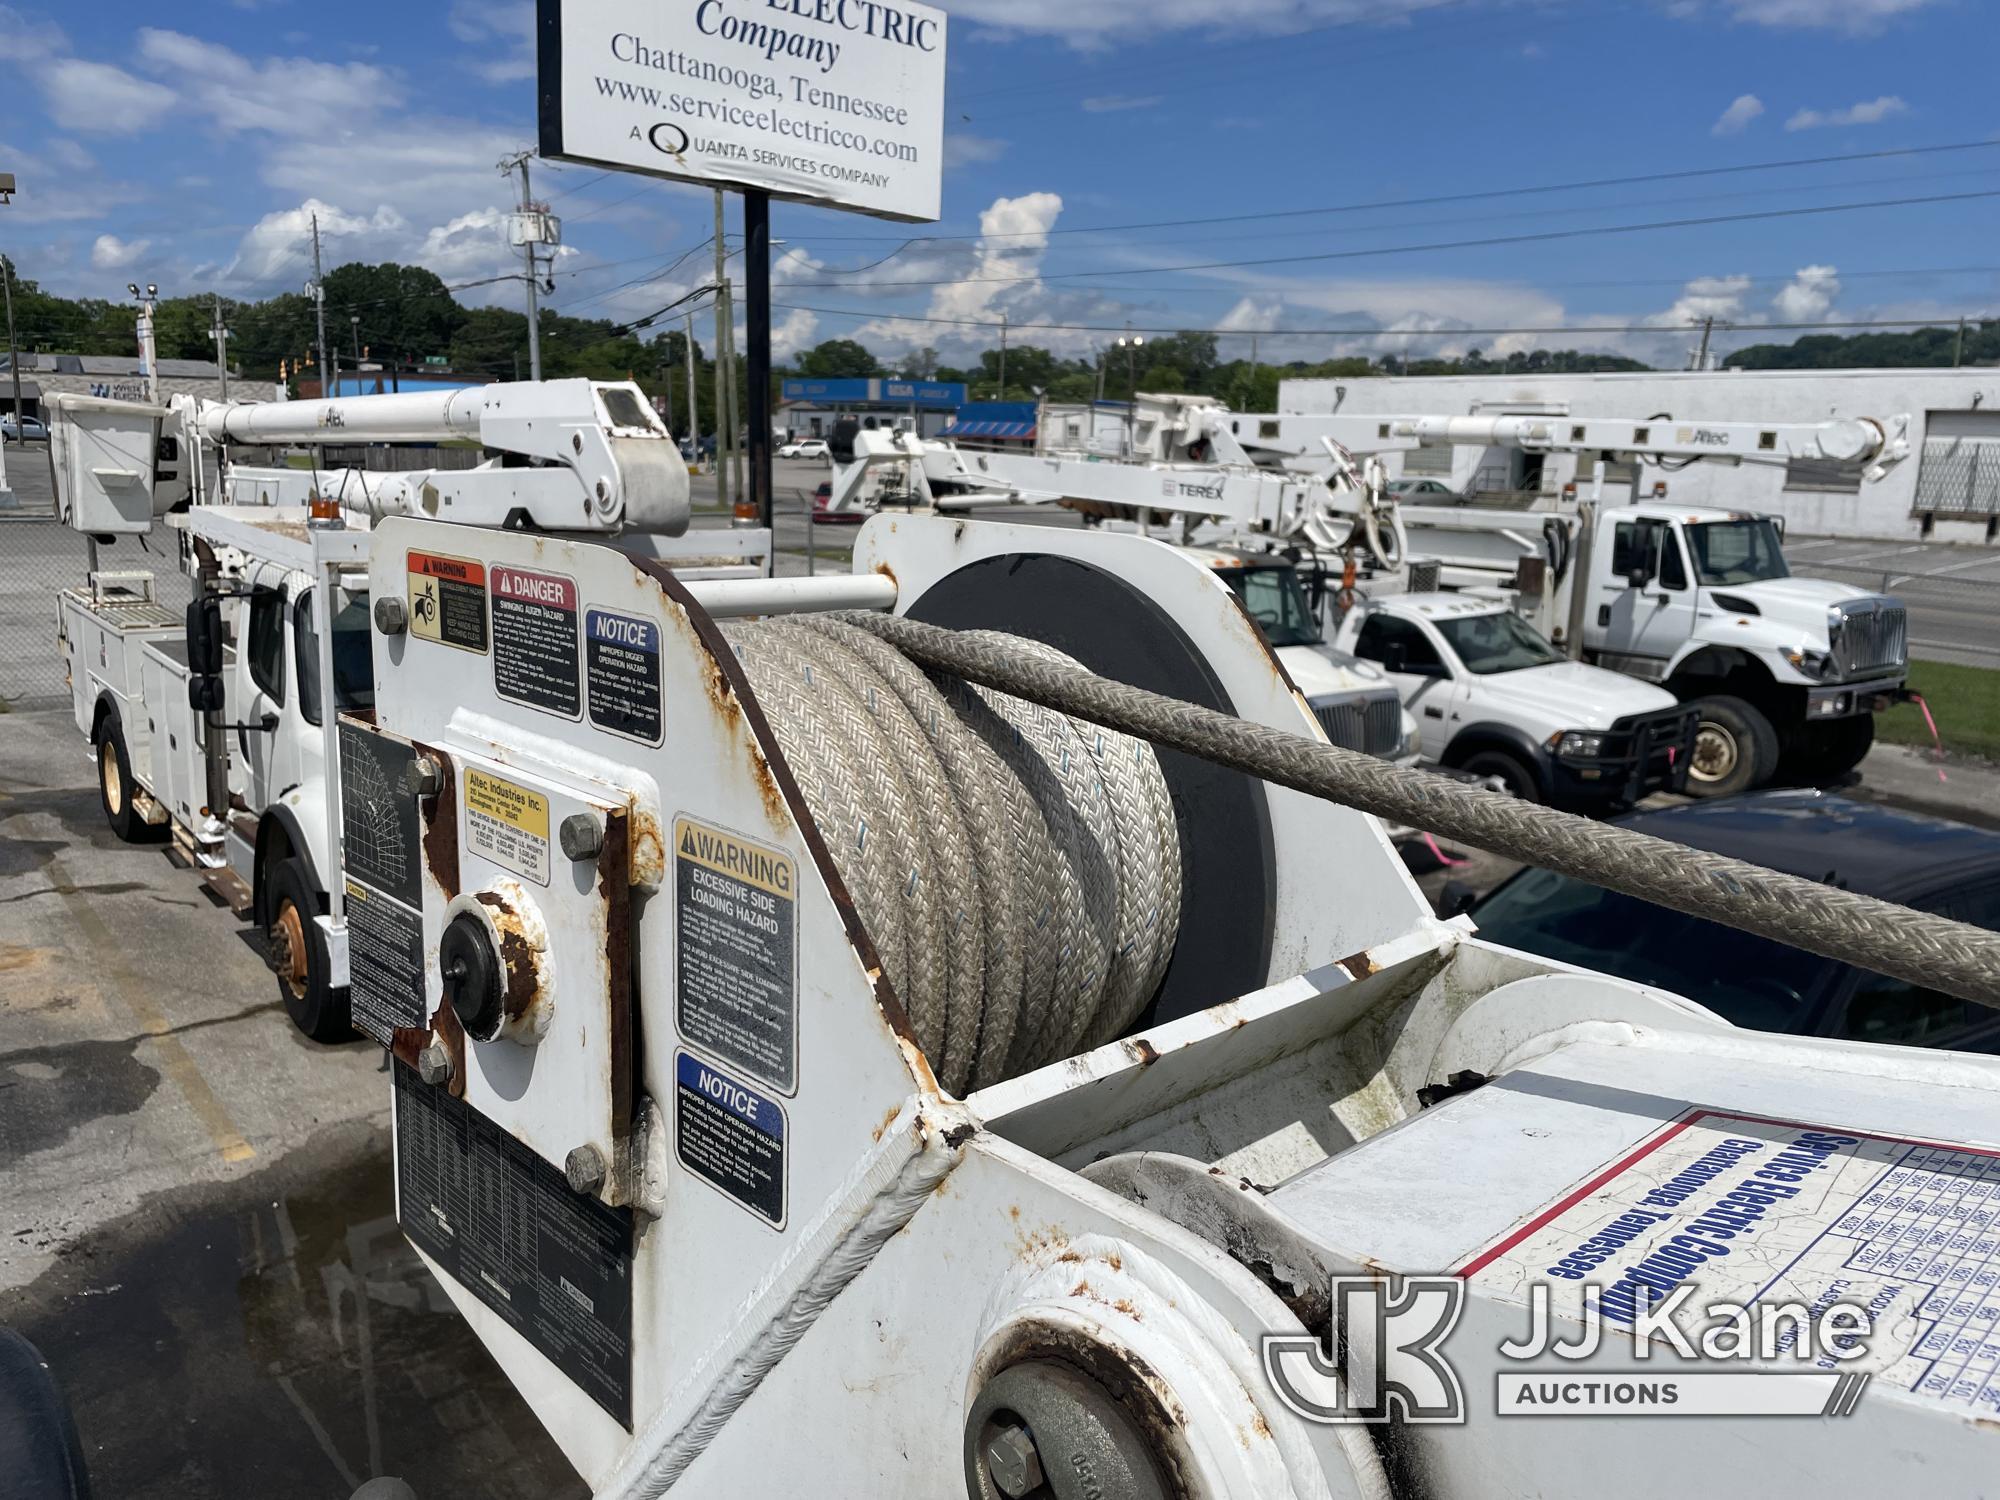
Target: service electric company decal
1753 1211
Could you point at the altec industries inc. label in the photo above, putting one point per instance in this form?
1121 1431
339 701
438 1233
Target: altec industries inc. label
507 825
736 991
536 660
1753 1211
448 601
622 674
381 840
731 1136
555 1265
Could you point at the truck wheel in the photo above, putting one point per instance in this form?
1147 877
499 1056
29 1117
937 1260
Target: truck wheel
1735 749
299 957
1517 778
116 786
1826 752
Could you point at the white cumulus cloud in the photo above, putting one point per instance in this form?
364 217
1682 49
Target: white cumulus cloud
1742 110
110 253
1809 295
1868 112
101 99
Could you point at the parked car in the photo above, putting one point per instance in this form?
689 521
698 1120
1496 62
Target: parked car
1927 863
823 497
806 448
1422 491
13 429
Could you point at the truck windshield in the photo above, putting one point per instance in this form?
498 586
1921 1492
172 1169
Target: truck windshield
1276 601
1497 643
1745 551
353 655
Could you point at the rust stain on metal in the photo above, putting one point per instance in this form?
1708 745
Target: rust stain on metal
648 864
440 815
888 1120
614 891
1143 1052
517 956
1359 965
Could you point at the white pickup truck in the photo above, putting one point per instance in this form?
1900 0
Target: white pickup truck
1494 698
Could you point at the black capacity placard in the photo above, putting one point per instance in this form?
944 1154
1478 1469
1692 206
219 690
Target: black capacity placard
503 1223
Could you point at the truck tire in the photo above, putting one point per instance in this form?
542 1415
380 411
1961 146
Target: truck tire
1825 753
1735 749
116 786
299 956
1519 780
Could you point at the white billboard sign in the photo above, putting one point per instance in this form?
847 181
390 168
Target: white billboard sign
837 102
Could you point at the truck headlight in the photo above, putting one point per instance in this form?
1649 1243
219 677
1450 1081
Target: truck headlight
1818 665
1412 742
1579 744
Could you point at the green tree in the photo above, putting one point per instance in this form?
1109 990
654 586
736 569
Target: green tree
839 359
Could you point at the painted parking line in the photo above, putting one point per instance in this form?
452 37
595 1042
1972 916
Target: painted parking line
1990 561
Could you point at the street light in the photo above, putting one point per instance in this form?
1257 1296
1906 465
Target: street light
1131 344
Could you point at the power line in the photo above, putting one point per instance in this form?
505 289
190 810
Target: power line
1016 325
1435 199
1540 237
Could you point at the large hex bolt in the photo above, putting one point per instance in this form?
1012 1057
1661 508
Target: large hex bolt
1013 1462
581 837
392 615
584 1167
434 1065
422 777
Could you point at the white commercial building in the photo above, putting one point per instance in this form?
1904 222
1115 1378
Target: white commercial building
1949 490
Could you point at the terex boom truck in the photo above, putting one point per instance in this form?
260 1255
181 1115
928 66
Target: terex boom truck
216 730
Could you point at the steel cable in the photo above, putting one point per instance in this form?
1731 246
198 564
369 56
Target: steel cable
1018 871
1924 949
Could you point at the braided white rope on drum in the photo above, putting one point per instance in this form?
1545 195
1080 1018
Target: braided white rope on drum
1019 870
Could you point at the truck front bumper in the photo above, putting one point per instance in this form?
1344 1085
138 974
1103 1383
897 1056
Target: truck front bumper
1846 700
1645 753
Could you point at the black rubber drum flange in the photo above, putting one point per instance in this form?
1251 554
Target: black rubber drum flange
1229 878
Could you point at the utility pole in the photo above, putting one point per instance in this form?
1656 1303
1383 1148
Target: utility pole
318 290
220 333
725 427
1003 356
757 308
1707 331
1957 353
149 351
534 270
694 404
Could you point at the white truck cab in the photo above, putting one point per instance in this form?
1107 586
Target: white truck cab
1494 698
1354 700
1702 602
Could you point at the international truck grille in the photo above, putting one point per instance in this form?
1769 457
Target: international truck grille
1871 635
1371 723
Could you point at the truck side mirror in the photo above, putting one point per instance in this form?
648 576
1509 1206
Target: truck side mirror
206 694
204 637
1395 657
1638 578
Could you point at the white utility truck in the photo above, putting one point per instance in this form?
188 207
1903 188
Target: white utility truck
825 1066
213 728
1495 698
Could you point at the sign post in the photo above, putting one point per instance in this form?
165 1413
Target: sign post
838 103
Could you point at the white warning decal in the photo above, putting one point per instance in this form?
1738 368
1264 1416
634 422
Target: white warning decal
1751 1211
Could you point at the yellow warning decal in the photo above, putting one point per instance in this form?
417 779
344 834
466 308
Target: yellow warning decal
724 852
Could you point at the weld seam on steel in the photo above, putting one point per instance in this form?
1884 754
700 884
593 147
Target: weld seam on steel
1927 950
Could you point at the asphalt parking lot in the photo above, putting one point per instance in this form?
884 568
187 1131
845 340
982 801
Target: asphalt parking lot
197 1229
1953 592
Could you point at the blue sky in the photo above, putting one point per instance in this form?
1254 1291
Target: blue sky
190 146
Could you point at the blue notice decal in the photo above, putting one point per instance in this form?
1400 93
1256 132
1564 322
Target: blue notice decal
731 1136
622 674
